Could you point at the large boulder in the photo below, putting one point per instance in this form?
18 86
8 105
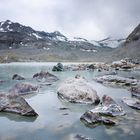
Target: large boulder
17 77
117 80
78 90
133 103
15 104
109 107
45 77
102 113
58 67
24 89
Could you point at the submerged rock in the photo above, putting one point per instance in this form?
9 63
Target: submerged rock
15 104
101 114
78 90
45 77
117 80
78 137
136 91
17 77
2 81
58 67
23 89
133 103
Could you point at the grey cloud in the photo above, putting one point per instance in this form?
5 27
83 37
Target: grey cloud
92 19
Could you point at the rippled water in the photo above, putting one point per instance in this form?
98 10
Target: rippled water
55 124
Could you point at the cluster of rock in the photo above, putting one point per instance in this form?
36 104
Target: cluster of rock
117 80
80 67
14 102
79 90
123 64
133 84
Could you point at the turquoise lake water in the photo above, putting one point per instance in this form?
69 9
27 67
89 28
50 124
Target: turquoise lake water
55 124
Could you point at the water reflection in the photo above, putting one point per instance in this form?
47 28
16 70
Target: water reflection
56 124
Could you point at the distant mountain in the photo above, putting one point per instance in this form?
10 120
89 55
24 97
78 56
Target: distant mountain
130 48
22 43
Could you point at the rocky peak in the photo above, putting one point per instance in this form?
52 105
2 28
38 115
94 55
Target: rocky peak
135 35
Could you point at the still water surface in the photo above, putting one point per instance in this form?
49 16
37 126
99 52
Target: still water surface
55 124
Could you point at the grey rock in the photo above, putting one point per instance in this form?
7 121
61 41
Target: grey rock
45 77
15 104
109 107
101 114
78 90
133 103
24 89
135 91
77 137
80 137
17 77
58 67
92 119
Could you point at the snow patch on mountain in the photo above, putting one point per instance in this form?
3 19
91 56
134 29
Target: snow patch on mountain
88 50
111 42
37 36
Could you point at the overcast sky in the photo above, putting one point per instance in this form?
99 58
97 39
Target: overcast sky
91 19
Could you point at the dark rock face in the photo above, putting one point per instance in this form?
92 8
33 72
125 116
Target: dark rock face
91 67
23 89
102 113
134 36
15 104
58 67
136 91
17 77
133 103
45 77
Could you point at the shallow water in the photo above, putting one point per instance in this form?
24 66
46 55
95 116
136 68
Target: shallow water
55 124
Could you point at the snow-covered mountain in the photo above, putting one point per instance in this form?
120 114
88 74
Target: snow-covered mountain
15 35
27 33
111 42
